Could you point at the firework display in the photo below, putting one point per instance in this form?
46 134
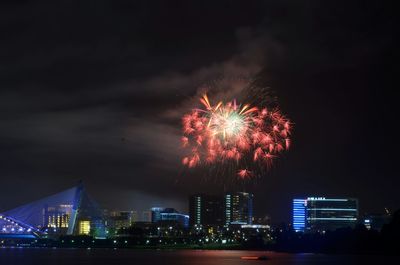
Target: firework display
246 138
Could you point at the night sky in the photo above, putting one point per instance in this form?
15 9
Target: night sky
94 91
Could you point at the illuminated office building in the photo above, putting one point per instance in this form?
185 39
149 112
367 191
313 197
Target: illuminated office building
299 214
206 210
238 208
320 214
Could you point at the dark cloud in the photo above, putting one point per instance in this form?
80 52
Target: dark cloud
94 91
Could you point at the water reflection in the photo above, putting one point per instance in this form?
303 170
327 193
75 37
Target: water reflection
11 256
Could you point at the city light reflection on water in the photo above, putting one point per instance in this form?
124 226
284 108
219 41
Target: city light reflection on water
43 256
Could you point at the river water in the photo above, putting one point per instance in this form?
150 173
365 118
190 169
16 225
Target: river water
42 256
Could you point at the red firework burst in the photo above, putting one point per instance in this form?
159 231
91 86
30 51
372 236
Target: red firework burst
236 134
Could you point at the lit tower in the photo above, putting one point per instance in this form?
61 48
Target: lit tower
238 208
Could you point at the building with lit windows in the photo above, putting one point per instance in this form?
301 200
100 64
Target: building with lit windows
121 219
235 208
84 227
299 214
174 218
238 208
206 210
169 216
57 216
64 213
156 213
320 214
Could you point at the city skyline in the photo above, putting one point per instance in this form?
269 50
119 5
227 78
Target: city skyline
72 218
61 211
203 208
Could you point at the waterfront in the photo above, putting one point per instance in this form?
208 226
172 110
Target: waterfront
27 256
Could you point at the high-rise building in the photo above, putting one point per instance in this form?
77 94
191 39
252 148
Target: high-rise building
319 214
238 208
206 210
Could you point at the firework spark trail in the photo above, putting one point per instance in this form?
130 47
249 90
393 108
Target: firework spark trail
231 133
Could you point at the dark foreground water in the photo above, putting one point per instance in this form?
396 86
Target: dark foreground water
11 256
